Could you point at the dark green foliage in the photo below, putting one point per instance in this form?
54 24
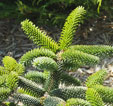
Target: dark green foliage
8 9
75 59
27 58
28 100
53 101
77 102
31 86
4 93
93 97
69 80
54 12
38 77
52 81
69 92
102 51
45 63
96 78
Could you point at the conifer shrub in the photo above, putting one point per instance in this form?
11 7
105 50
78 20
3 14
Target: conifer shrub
50 84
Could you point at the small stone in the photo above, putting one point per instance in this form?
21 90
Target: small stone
80 71
97 68
107 81
20 104
91 71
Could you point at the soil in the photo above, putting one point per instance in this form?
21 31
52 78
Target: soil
13 42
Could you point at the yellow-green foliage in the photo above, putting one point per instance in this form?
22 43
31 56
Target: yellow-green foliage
96 78
70 26
93 97
9 77
95 81
2 70
10 64
106 93
2 80
4 93
26 91
77 102
38 37
66 59
12 80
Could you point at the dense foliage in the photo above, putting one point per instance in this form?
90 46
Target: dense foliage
52 12
50 84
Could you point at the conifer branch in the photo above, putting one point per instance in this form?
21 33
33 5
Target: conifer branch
102 51
53 101
31 86
69 92
37 36
96 78
12 80
10 64
38 77
45 63
106 93
77 102
4 93
27 100
94 98
70 26
69 80
28 57
2 70
74 59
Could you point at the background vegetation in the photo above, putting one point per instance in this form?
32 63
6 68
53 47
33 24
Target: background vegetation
52 12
